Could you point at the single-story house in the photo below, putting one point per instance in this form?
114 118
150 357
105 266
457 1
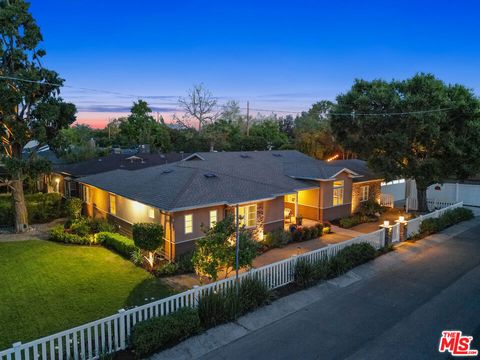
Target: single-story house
271 188
63 177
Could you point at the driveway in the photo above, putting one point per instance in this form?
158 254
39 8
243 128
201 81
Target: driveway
398 313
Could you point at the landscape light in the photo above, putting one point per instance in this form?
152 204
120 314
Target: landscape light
386 223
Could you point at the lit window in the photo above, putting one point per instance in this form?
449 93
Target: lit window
338 192
151 213
113 205
364 192
213 218
248 215
188 224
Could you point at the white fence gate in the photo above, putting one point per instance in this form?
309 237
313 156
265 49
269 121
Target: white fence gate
110 334
413 226
396 233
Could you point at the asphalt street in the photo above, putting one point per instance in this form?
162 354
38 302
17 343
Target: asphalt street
397 314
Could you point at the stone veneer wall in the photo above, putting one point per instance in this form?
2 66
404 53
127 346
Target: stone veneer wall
374 192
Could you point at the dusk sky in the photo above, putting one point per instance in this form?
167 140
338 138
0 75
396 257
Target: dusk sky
281 55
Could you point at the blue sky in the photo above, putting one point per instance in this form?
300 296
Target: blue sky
281 55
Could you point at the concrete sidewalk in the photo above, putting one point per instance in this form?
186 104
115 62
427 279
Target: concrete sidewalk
218 337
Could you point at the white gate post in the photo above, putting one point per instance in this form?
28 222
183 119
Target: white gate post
122 328
17 351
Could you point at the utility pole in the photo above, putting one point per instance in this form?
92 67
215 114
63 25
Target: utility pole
248 118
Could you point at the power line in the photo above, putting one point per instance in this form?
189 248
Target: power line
353 114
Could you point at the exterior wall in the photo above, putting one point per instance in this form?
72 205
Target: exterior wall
273 212
182 242
374 192
128 212
308 204
397 188
327 210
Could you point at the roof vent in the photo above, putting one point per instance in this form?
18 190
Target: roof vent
245 156
210 175
277 155
167 171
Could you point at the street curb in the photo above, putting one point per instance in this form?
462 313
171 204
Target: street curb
222 335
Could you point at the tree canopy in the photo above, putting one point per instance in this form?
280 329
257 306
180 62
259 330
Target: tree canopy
418 128
30 104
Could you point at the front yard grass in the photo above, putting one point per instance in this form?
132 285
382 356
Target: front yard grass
47 287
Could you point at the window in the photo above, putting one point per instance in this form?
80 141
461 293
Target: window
87 194
151 213
188 224
338 192
248 215
113 204
364 192
213 218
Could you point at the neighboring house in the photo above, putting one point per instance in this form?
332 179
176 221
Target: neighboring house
63 177
271 188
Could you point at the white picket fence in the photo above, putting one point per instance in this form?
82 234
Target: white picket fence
413 226
387 200
110 334
434 204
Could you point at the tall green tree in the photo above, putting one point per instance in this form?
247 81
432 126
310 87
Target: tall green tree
419 128
29 110
141 128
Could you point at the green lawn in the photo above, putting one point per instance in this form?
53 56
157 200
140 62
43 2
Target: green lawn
47 287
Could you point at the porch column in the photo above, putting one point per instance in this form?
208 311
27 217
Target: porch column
296 204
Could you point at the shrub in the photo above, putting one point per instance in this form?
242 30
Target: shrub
185 263
370 208
137 257
44 207
166 269
314 232
81 226
449 218
212 308
304 273
326 230
118 243
356 254
215 308
277 239
297 235
102 225
58 234
306 233
320 229
322 269
74 208
158 333
253 293
336 267
350 221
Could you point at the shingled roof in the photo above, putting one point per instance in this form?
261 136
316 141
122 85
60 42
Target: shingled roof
117 161
212 178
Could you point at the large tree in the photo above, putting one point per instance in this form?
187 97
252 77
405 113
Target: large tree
30 104
141 128
199 106
419 128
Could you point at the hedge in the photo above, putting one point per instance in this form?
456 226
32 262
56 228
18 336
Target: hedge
116 242
58 234
449 218
158 333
